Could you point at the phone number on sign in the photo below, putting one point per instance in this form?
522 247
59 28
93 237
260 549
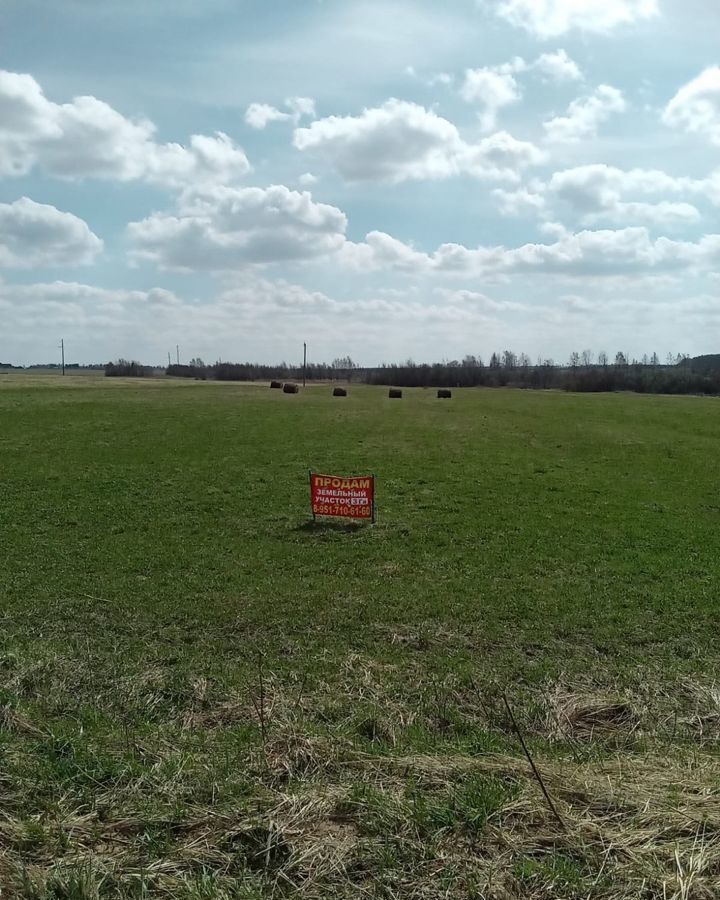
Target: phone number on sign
353 512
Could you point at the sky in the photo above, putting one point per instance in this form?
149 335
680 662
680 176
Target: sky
384 179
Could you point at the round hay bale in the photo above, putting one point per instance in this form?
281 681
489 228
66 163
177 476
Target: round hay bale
276 384
289 388
394 394
444 394
339 392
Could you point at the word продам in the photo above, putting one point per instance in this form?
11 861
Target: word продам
352 498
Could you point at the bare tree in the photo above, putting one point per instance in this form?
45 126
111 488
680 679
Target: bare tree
602 358
586 358
343 367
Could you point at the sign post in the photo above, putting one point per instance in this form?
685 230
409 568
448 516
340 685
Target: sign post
344 497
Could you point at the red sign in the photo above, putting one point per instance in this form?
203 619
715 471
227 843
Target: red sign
350 498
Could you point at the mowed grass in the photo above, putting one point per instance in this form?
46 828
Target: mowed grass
204 694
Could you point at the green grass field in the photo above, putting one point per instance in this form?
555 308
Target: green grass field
205 695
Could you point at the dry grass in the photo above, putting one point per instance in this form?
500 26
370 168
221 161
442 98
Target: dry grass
348 814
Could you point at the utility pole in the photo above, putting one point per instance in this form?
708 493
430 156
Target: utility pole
304 361
62 350
169 363
177 352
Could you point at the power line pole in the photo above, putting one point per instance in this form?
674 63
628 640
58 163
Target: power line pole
169 363
304 361
177 352
62 350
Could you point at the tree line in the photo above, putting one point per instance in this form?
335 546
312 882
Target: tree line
127 368
341 369
640 377
583 371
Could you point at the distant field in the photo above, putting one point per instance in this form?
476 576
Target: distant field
33 373
205 695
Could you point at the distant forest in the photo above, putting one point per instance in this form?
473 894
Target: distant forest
583 372
676 374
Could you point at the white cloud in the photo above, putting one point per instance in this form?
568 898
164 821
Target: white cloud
500 157
259 115
519 202
585 115
550 18
87 138
382 251
444 78
307 179
437 78
480 303
256 319
261 319
208 159
34 234
395 142
98 324
301 106
492 88
554 230
602 253
558 67
599 193
696 106
607 252
224 228
665 213
710 187
402 141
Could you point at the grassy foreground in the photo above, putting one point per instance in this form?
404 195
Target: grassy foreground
205 695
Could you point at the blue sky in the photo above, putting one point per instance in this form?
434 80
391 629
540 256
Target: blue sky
382 179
